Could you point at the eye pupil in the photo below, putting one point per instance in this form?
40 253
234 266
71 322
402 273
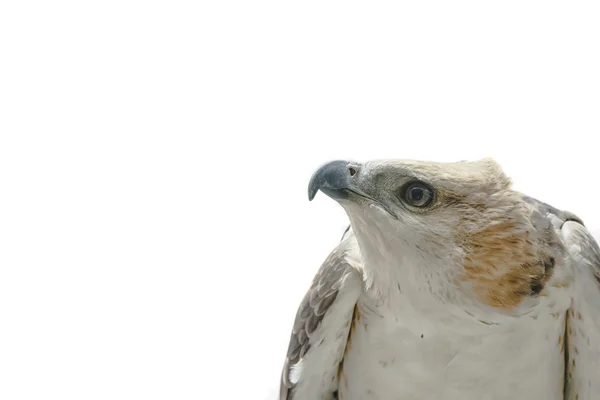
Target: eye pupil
417 194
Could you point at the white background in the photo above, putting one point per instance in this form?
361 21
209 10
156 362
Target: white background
155 232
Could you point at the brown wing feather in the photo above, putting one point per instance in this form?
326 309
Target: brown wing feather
315 304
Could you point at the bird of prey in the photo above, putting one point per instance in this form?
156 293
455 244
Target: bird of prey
448 284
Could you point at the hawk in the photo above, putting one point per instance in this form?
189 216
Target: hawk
448 284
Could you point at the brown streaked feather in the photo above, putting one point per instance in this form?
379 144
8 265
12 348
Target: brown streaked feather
355 318
581 340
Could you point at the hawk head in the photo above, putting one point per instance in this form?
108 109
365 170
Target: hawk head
442 232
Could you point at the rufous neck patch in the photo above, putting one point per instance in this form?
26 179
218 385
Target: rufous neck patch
503 265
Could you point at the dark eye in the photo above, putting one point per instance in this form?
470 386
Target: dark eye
418 194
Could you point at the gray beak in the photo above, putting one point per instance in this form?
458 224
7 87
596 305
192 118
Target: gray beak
336 179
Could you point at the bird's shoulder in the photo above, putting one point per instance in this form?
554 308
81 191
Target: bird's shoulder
580 279
565 235
582 333
340 273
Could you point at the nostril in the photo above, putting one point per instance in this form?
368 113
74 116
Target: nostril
352 171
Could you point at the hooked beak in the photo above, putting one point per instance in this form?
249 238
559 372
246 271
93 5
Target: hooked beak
336 179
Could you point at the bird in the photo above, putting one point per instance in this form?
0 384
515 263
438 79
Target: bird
447 284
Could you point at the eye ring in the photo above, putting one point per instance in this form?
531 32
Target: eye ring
417 194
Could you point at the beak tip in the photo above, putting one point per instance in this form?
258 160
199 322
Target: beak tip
313 188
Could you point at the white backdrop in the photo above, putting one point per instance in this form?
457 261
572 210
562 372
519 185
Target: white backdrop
155 232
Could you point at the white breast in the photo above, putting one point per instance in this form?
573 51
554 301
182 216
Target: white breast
398 353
